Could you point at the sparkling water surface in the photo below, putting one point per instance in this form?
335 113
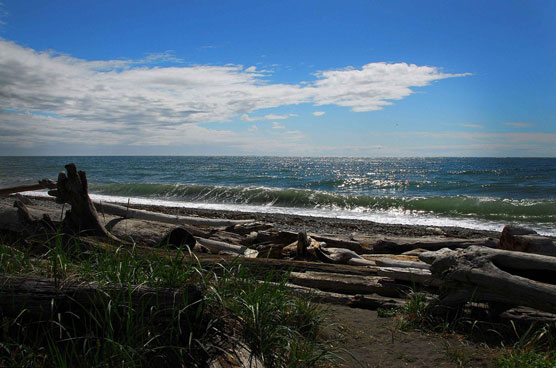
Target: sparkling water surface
482 193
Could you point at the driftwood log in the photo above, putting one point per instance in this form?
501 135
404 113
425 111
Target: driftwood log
341 256
367 301
266 265
346 284
522 239
411 275
500 277
42 184
387 262
398 245
126 212
151 234
219 247
41 298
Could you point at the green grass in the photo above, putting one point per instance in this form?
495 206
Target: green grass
416 312
279 329
527 359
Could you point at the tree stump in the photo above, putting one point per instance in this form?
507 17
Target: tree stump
82 218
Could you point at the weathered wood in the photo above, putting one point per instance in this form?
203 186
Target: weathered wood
413 275
270 251
368 301
528 315
275 237
495 276
82 218
151 234
11 220
40 298
302 243
247 228
522 239
226 237
397 245
344 284
400 257
284 265
126 212
25 200
288 237
341 243
43 184
387 262
341 256
218 246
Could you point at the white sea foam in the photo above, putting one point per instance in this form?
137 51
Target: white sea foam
391 216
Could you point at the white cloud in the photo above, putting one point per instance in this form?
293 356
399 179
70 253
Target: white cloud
277 125
318 113
519 125
135 102
246 117
373 86
253 128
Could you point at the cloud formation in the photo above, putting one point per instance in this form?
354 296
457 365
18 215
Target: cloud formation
246 117
318 113
373 86
50 97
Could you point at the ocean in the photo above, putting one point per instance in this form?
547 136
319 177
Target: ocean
477 193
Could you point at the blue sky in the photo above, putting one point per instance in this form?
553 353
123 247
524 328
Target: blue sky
318 78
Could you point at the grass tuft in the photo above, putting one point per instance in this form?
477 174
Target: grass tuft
277 328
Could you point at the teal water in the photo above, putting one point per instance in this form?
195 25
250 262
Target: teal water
483 193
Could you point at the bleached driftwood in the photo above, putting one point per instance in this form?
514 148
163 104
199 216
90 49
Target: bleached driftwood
495 276
114 209
341 256
413 275
333 242
398 245
218 246
345 284
387 262
151 234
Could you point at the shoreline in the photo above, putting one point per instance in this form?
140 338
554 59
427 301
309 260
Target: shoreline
339 227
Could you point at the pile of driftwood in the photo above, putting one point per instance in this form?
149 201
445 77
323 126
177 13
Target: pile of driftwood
517 270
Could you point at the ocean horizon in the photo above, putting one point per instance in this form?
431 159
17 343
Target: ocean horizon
482 193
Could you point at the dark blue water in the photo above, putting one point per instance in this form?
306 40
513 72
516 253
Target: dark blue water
472 192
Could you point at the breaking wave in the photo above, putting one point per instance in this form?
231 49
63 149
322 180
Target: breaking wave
487 208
